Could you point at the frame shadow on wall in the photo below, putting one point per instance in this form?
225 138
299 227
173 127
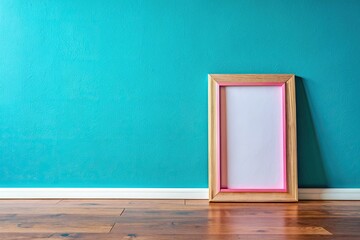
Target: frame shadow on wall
311 171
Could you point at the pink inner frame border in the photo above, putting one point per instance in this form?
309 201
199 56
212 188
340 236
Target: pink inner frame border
224 84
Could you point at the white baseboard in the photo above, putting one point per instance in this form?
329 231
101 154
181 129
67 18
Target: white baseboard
160 193
139 193
329 193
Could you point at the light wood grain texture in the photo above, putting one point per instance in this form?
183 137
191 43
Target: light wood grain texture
250 77
179 219
291 145
212 138
291 156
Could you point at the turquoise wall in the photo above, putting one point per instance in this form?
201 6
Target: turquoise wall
114 93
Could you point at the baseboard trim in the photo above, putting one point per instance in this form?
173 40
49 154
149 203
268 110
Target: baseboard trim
160 193
131 193
329 193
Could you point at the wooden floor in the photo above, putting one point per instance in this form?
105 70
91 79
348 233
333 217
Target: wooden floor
177 219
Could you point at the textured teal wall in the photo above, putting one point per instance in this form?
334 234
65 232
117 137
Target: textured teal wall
114 93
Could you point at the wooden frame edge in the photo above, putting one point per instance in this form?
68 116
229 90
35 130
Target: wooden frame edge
211 135
291 153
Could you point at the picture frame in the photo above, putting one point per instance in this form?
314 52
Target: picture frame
252 138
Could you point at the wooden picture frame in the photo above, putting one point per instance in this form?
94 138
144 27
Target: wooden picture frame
271 99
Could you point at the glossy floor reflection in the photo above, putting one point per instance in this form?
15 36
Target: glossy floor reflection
177 219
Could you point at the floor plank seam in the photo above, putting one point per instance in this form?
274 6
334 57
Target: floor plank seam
112 227
122 212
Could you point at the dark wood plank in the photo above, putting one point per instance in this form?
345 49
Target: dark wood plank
111 236
126 203
177 219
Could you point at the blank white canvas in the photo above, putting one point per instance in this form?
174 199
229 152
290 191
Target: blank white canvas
254 137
